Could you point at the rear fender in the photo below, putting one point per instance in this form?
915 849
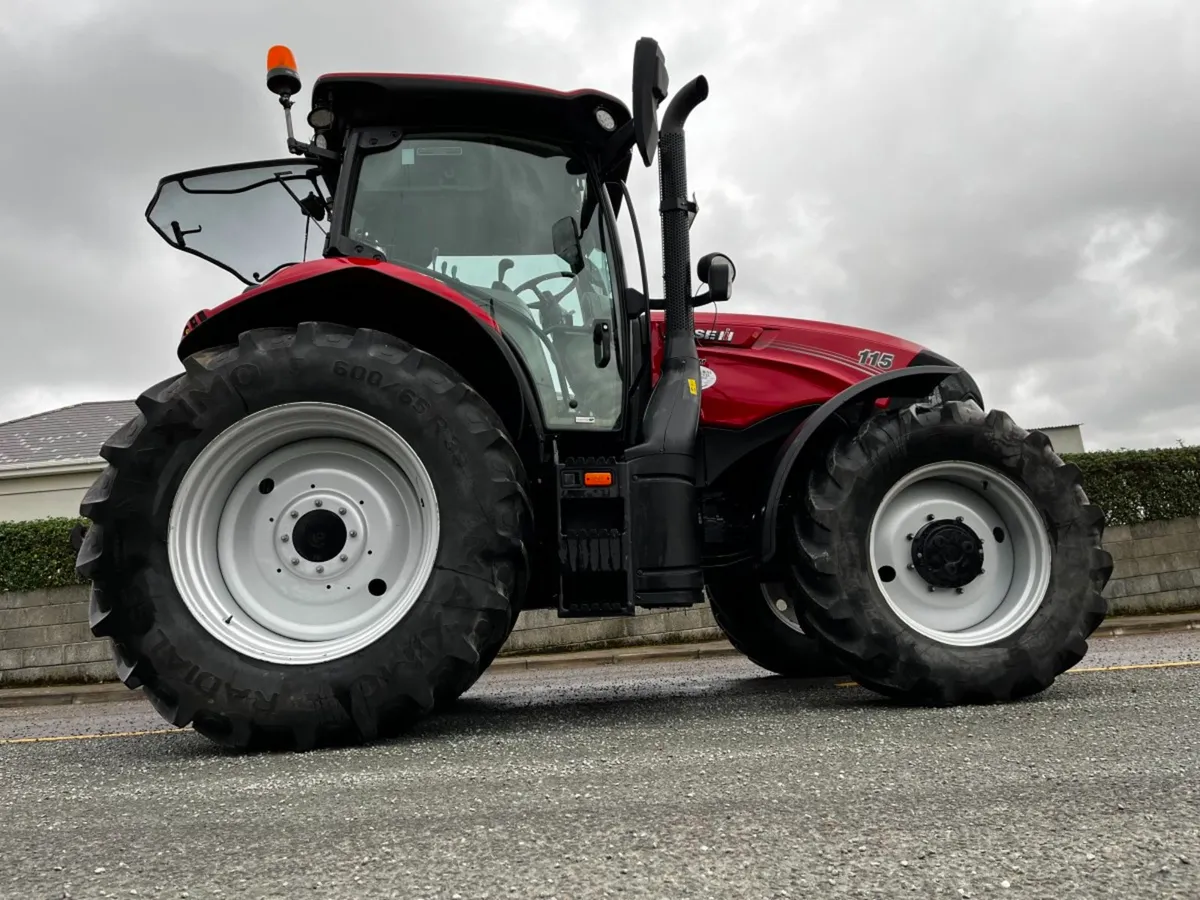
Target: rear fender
413 307
913 382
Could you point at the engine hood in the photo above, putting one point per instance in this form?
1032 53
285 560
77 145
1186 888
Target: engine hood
755 366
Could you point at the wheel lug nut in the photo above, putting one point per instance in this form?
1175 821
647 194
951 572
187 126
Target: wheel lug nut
343 557
353 534
911 566
341 510
958 518
318 503
958 590
294 514
908 537
931 589
295 561
285 538
320 569
929 518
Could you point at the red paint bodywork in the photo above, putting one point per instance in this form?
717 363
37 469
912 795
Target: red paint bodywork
766 364
317 267
763 364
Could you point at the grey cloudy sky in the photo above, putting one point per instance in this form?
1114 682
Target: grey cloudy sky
1014 184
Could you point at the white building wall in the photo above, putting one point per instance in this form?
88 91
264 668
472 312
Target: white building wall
44 495
1064 438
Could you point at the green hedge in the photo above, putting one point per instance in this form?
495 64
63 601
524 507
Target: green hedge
1129 485
36 555
1142 485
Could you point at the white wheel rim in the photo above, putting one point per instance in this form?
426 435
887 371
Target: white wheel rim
245 536
1016 564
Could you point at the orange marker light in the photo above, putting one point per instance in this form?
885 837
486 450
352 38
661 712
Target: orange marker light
597 479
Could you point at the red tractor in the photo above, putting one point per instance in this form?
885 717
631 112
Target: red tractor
458 408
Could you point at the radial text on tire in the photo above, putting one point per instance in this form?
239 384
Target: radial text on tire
949 556
313 536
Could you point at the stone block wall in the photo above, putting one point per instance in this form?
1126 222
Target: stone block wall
1156 567
44 636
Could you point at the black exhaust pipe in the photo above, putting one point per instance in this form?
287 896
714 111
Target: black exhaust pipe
675 208
663 508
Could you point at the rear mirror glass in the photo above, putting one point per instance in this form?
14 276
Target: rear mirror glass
649 90
718 272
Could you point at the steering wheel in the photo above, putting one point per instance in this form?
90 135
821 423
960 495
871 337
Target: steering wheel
531 285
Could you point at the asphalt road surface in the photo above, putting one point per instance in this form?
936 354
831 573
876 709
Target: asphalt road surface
664 780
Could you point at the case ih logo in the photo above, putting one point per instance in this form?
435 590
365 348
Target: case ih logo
725 335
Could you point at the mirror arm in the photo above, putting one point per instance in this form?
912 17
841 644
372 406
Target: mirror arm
312 151
620 143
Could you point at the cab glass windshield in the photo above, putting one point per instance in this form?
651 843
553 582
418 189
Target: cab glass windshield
518 227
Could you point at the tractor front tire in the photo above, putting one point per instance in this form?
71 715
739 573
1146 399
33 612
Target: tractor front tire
759 620
312 537
949 556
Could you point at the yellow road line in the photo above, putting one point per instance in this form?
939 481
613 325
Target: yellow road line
1162 665
1158 665
89 737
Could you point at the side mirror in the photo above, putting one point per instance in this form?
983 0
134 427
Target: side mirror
718 272
649 89
565 235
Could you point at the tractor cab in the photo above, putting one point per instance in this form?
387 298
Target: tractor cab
507 193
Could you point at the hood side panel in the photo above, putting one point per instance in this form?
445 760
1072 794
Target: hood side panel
762 365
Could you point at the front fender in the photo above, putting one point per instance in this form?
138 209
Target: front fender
913 382
414 307
299 274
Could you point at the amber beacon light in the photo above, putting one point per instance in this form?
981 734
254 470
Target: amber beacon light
282 77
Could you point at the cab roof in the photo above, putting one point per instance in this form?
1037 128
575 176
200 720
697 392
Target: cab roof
469 104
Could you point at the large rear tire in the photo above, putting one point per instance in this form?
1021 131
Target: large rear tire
759 619
315 536
949 556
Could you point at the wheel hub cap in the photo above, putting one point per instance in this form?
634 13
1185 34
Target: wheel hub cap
947 553
319 536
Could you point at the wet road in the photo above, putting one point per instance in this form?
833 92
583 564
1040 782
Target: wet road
698 779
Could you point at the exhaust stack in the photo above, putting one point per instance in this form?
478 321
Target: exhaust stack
676 211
